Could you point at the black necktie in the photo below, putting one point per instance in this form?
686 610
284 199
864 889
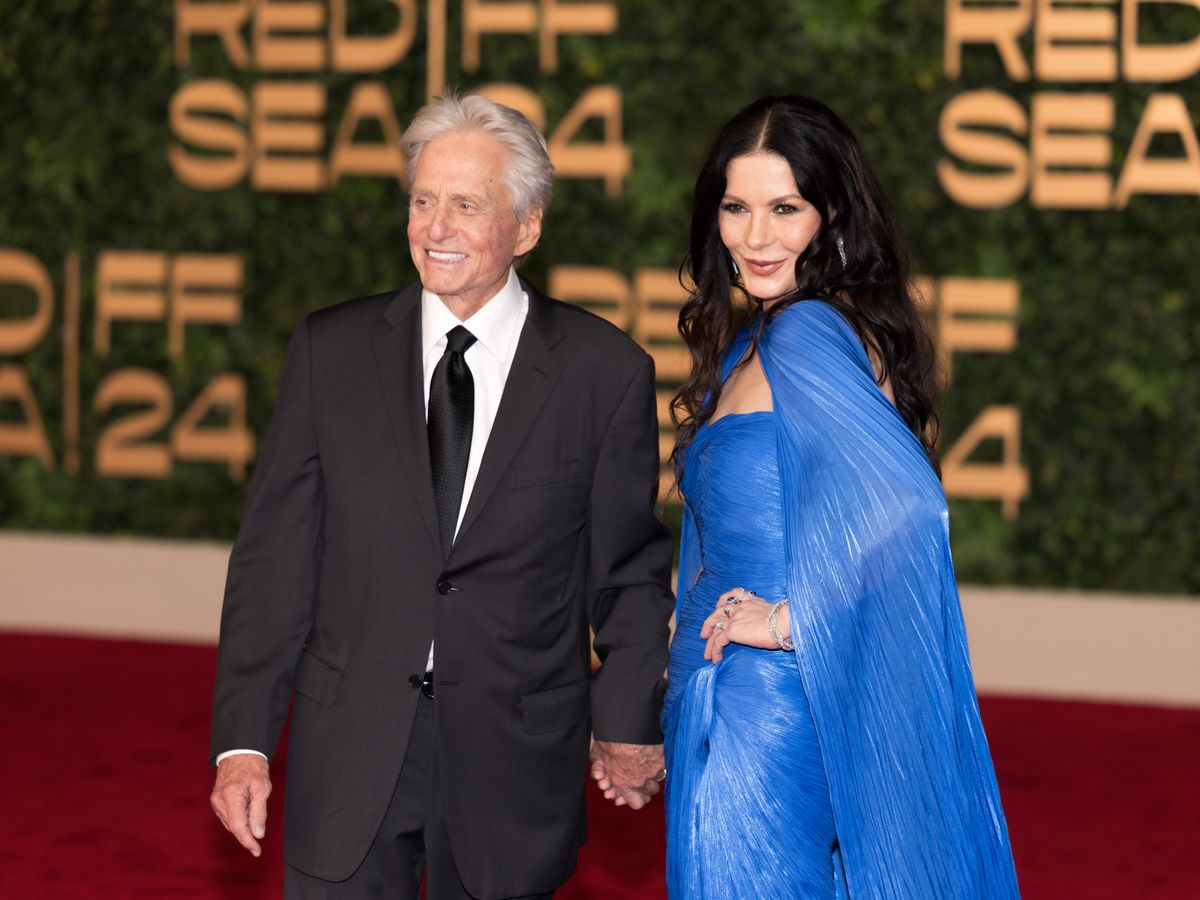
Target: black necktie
450 421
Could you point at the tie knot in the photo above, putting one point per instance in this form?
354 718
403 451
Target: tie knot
458 339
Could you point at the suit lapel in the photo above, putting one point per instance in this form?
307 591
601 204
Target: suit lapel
531 377
397 348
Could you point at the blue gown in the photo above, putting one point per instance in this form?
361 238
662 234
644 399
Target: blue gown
855 766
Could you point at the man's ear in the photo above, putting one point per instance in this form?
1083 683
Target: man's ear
529 231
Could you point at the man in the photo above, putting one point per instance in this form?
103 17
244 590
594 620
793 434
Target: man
457 482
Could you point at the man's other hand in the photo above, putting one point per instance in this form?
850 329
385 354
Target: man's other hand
239 798
629 774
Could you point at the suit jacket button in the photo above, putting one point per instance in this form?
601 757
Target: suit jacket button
444 587
415 681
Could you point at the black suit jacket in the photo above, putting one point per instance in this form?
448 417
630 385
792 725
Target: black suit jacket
337 585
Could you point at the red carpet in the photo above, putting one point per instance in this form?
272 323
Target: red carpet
104 748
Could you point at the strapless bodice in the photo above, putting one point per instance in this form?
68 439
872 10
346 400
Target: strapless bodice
731 482
731 485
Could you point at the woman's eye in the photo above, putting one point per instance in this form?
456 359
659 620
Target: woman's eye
732 208
786 209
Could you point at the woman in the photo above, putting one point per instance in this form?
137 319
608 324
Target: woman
823 734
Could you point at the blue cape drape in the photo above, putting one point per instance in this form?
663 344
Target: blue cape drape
878 628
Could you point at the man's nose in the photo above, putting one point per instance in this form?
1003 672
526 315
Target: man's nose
441 224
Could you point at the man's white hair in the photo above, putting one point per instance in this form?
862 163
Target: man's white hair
529 174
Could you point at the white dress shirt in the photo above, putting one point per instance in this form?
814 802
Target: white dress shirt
497 329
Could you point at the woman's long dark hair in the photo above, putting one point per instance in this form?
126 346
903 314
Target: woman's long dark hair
871 289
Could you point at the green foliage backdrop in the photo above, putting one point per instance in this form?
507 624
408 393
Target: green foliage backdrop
1104 374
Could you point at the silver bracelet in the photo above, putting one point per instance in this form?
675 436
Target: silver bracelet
785 643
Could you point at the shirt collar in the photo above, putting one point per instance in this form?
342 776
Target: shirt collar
496 326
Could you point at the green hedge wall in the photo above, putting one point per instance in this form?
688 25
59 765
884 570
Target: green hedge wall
1109 322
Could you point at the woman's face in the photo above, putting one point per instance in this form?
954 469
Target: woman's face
765 223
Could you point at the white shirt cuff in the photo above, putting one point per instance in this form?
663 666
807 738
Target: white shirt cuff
229 753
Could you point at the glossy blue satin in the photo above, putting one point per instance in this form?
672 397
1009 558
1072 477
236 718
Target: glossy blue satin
855 766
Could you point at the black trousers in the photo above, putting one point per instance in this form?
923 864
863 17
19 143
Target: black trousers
412 841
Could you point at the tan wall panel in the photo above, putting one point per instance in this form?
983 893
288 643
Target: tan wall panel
1034 643
114 587
1084 645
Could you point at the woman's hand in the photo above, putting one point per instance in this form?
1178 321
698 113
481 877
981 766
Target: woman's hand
740 617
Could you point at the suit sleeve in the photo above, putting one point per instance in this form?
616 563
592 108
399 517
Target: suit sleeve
629 595
273 570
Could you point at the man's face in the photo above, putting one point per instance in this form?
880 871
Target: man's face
462 233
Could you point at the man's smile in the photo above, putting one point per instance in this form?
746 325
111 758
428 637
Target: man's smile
445 256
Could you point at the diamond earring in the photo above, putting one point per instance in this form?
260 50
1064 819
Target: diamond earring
841 248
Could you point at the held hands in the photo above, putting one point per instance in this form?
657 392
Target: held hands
740 617
239 798
629 774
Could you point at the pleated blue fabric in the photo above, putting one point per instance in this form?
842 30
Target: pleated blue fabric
855 766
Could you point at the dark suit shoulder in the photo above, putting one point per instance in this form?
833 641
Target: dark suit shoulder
596 338
359 309
354 318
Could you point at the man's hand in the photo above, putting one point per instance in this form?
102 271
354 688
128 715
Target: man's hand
629 774
239 798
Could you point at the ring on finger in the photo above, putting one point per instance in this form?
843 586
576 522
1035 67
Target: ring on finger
728 612
721 625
